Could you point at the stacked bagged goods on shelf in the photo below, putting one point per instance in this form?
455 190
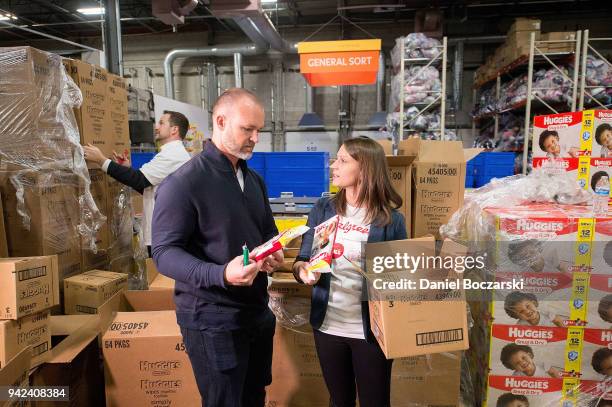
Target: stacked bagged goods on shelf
536 334
599 78
29 288
421 85
511 136
416 46
548 84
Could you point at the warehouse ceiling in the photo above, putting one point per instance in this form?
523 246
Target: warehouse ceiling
60 18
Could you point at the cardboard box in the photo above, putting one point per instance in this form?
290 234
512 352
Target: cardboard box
3 244
15 373
31 90
51 201
33 331
568 36
417 321
525 24
28 285
156 280
297 379
438 182
92 116
75 362
117 119
400 173
84 293
412 380
134 375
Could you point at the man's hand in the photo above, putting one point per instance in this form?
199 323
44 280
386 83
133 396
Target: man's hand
273 261
123 159
307 277
237 274
93 154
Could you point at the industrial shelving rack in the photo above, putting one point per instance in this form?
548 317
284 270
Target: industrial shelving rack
440 100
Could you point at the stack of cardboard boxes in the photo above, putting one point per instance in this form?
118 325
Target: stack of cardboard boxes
29 288
430 178
517 46
103 122
45 207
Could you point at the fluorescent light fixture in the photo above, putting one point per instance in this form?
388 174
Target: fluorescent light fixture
267 1
91 11
7 16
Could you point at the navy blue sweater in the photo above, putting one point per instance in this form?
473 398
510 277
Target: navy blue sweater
200 222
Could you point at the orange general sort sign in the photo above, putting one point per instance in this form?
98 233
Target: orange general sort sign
352 62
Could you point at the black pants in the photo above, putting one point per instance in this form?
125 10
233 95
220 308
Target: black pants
347 362
232 368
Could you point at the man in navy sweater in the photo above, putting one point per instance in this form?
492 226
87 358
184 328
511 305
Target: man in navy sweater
204 213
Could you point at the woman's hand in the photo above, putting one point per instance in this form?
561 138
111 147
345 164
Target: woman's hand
307 277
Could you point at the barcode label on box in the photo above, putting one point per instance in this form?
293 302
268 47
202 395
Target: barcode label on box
32 273
86 310
432 338
40 349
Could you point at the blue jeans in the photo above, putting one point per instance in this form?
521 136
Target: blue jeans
232 367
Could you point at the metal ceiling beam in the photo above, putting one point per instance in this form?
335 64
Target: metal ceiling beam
52 37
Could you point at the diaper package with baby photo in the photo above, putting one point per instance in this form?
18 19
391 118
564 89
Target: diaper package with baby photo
535 352
559 136
600 301
544 300
596 354
602 134
512 391
535 243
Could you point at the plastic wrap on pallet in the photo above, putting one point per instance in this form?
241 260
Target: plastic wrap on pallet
541 186
291 312
38 132
486 103
126 254
416 45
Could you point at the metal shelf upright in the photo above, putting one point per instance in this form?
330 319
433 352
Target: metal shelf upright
536 52
586 48
440 100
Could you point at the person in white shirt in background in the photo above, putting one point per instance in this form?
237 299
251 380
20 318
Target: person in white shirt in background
169 132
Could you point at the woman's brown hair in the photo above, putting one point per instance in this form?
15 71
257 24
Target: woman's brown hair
376 193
